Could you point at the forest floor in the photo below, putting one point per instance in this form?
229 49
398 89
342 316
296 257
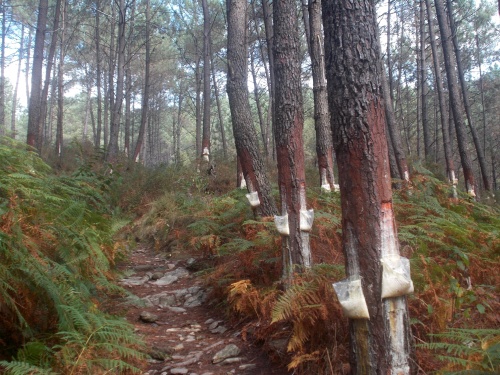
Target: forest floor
184 332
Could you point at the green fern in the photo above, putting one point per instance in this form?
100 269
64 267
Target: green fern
55 259
468 351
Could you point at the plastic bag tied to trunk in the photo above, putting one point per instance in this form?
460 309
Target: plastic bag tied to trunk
352 299
396 278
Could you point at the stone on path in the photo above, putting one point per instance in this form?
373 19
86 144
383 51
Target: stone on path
148 317
229 351
179 370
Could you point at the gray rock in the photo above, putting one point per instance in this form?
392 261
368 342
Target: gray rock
248 366
230 361
229 351
179 370
166 280
148 317
134 280
157 275
168 300
161 353
214 324
176 309
219 329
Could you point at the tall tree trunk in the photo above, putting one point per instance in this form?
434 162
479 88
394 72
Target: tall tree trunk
267 13
35 106
245 136
3 124
288 128
145 95
394 134
197 75
423 86
381 344
128 74
60 86
257 103
48 70
443 110
324 143
455 97
114 130
219 108
27 68
264 125
97 139
465 97
205 141
16 87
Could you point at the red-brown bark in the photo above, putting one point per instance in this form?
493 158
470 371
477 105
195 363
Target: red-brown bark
288 126
382 344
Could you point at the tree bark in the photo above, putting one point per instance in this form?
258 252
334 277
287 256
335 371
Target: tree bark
455 98
3 125
16 87
443 110
114 130
97 139
288 128
35 106
324 143
423 87
60 86
268 26
205 141
245 136
145 94
219 108
48 70
382 344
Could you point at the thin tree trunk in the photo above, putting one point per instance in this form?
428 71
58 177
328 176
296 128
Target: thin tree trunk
145 95
3 124
455 98
423 86
197 74
324 143
264 124
114 130
443 110
219 109
48 70
257 103
27 68
245 136
35 106
205 141
381 344
465 97
268 26
97 139
60 87
16 87
288 128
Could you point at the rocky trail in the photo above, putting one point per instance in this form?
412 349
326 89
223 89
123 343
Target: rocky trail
184 332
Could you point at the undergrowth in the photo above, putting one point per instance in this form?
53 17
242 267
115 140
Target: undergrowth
453 246
56 254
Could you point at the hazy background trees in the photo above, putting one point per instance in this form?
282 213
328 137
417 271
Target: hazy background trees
145 80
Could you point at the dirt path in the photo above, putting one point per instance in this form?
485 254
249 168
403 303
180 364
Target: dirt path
184 332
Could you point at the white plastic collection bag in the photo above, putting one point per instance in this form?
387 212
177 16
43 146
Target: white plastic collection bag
306 220
352 299
282 225
253 198
396 278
